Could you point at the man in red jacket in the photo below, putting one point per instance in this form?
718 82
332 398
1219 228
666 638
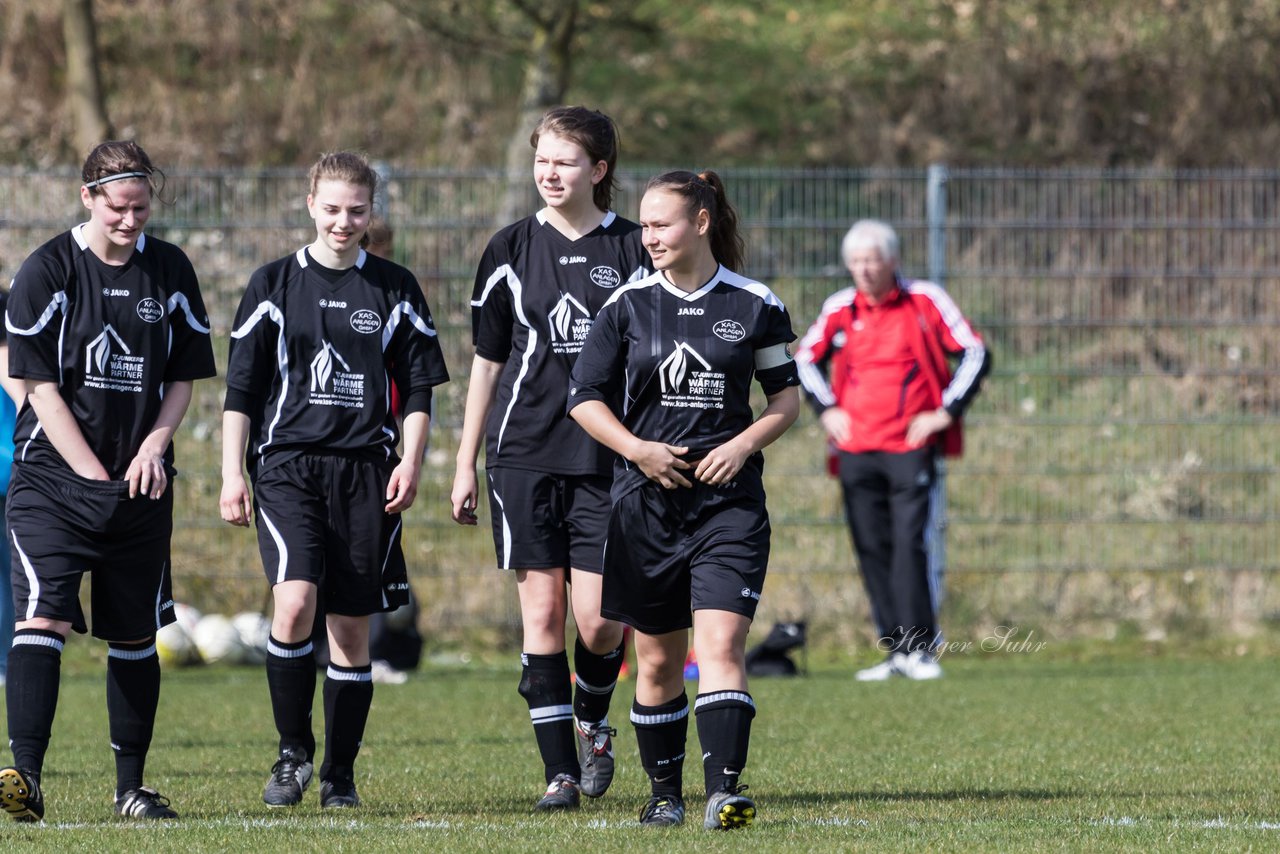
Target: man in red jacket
876 367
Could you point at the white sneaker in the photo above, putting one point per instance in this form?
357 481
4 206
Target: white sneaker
919 665
879 672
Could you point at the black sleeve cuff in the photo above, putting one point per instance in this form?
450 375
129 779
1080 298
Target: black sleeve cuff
243 402
418 400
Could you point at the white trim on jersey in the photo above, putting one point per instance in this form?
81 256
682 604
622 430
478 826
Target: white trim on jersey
179 300
404 309
517 307
270 309
966 373
301 256
722 276
281 548
77 234
814 380
26 445
33 583
56 304
609 217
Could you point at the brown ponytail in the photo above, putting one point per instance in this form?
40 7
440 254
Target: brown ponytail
705 191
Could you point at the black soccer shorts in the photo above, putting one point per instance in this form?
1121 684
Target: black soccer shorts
544 521
320 518
674 551
62 525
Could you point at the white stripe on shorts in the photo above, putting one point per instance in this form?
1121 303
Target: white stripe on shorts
33 583
283 550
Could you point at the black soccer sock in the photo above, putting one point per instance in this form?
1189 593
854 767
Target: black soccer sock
544 684
31 695
348 694
596 677
291 680
133 692
724 730
660 735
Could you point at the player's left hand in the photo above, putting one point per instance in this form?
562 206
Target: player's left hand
926 424
146 475
402 488
721 465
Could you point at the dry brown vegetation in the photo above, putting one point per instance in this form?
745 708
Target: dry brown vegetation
825 82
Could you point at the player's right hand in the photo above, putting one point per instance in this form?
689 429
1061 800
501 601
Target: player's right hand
464 496
662 463
234 503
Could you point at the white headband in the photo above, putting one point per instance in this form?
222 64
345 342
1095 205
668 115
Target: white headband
118 177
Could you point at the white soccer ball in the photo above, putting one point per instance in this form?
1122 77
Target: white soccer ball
254 630
218 641
187 617
175 647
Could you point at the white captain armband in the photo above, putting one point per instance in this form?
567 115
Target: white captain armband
772 357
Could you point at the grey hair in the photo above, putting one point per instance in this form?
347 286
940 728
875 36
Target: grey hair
871 234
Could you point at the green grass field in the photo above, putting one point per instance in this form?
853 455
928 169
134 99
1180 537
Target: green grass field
1022 750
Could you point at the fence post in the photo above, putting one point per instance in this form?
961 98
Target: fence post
936 216
382 200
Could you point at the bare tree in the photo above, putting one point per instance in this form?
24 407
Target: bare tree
545 33
84 77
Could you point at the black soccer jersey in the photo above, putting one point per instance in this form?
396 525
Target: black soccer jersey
110 336
312 361
685 360
535 297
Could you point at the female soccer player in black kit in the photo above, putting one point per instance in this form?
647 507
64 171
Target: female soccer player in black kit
107 330
688 530
539 285
319 338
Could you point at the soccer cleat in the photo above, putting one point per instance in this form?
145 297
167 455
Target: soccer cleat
595 756
338 793
290 777
662 811
879 672
919 665
561 794
144 802
728 809
20 794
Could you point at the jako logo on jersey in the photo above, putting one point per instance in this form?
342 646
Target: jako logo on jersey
572 259
606 277
672 371
115 292
748 593
332 303
729 330
150 310
322 366
696 312
366 321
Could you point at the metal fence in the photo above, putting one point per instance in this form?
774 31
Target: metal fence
1129 423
